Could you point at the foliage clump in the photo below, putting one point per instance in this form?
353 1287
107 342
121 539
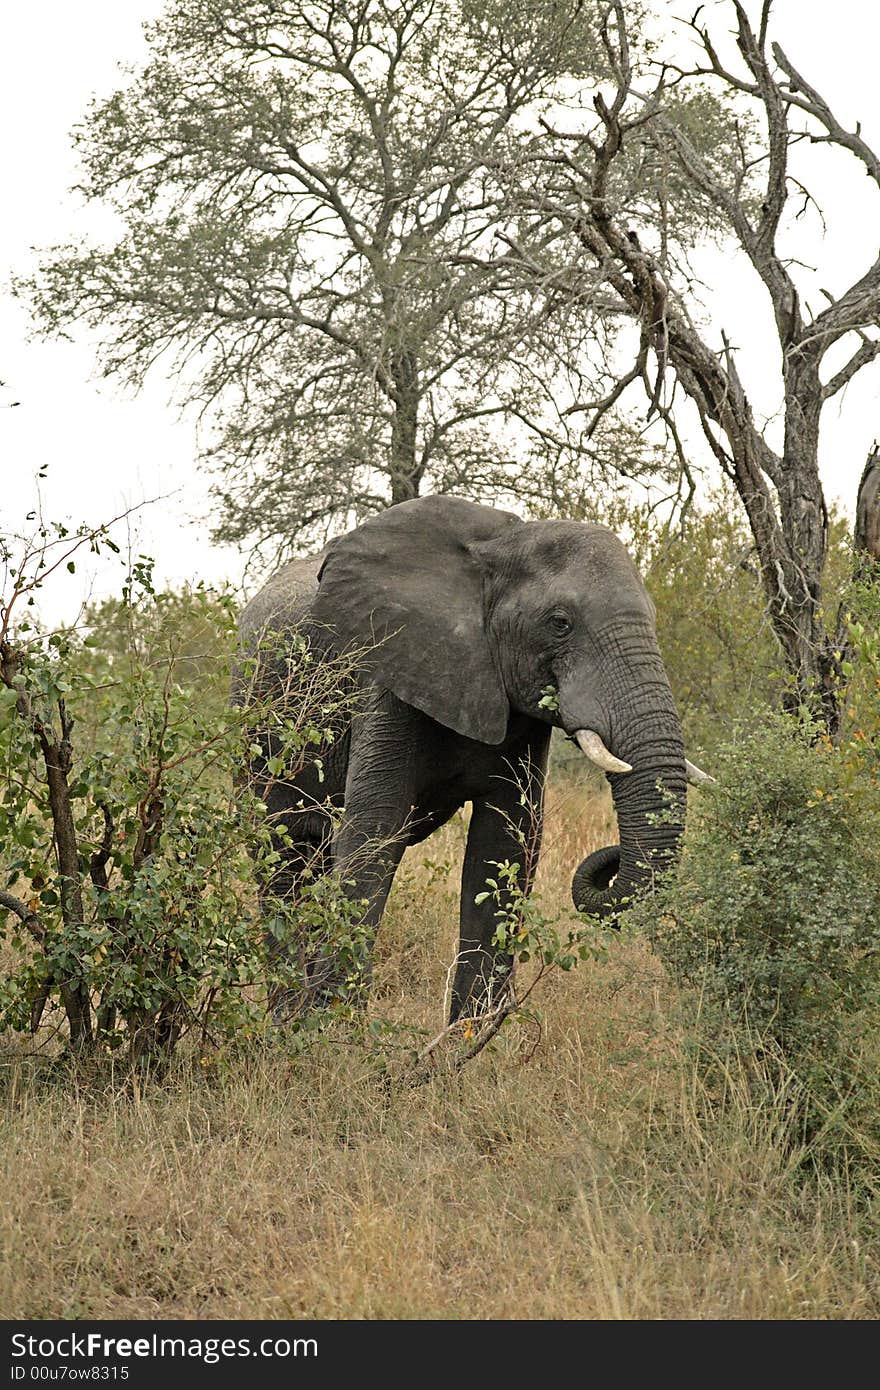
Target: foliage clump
130 845
772 916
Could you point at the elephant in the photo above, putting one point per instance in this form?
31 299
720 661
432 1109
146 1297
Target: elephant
479 632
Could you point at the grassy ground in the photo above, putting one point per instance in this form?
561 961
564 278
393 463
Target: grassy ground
582 1177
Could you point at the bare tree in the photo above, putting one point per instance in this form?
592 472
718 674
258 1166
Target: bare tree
632 258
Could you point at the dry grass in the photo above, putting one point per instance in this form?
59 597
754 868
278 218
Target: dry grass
588 1180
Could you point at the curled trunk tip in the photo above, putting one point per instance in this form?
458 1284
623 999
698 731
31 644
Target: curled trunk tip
592 879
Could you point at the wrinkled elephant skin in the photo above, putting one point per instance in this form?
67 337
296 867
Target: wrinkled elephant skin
468 616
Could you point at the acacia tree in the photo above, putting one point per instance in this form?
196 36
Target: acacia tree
581 188
307 198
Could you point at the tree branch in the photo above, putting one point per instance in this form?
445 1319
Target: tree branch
801 94
865 353
28 917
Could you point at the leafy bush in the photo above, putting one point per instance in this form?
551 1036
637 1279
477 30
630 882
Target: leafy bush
130 846
861 712
775 908
772 915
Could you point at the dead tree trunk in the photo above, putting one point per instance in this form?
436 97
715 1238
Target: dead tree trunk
866 537
579 200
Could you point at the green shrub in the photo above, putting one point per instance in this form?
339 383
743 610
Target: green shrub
130 844
771 918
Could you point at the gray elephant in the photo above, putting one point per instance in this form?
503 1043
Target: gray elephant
469 616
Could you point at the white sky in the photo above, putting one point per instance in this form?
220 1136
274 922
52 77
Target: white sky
106 451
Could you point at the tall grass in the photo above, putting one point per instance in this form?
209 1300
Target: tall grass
577 1170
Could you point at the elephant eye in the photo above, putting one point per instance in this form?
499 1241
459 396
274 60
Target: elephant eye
560 624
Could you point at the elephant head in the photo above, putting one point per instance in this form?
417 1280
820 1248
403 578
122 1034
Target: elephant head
474 615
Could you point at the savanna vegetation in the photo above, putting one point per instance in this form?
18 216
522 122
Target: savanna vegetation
685 1123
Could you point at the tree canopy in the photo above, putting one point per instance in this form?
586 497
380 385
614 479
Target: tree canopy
402 246
308 196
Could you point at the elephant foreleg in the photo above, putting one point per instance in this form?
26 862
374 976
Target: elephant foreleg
504 827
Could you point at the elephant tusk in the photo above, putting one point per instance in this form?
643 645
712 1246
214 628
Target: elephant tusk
592 746
695 775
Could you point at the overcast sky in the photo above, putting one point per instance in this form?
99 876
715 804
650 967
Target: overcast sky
106 451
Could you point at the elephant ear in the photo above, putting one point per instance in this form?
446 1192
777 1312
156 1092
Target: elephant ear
407 586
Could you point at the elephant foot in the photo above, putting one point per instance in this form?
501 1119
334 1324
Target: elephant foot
285 1006
483 998
325 989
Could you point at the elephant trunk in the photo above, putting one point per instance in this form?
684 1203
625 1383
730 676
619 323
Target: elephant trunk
649 802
